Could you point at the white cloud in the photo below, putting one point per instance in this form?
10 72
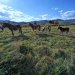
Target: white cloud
44 17
61 12
6 1
56 17
54 9
67 14
8 13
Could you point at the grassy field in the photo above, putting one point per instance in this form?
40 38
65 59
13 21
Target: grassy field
37 53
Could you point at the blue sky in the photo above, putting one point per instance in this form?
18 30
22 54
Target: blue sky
30 10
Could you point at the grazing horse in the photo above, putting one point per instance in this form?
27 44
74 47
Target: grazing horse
64 29
1 27
12 27
35 27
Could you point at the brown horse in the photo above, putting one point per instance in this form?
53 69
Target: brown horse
35 27
54 23
64 29
12 27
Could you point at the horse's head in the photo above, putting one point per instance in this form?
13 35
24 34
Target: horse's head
59 27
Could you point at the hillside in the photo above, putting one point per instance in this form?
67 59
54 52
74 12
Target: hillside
37 53
61 22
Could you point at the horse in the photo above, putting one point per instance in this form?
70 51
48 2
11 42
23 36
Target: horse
64 29
35 26
1 27
54 23
12 27
47 28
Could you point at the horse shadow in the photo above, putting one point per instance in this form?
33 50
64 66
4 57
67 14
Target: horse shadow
6 42
21 37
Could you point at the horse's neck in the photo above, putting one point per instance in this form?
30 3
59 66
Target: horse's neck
60 27
31 25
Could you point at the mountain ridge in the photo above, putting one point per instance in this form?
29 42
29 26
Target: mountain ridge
61 22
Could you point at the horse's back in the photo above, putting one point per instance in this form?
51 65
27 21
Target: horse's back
67 29
16 27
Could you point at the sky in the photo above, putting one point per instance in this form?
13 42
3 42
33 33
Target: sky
31 10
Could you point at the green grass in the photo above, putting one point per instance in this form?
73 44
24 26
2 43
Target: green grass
37 53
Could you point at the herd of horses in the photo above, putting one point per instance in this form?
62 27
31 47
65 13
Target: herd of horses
34 26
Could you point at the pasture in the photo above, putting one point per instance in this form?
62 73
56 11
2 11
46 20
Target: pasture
37 52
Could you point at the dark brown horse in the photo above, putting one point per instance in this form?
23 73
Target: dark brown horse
35 26
12 27
64 29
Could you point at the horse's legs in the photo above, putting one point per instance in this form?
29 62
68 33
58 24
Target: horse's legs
67 32
2 29
61 32
39 28
12 32
33 28
20 30
43 29
49 28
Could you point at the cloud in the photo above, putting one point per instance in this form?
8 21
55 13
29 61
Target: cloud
8 13
54 9
53 18
44 17
6 1
60 11
68 15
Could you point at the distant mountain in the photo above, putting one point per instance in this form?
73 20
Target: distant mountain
12 22
66 22
40 21
24 23
61 22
